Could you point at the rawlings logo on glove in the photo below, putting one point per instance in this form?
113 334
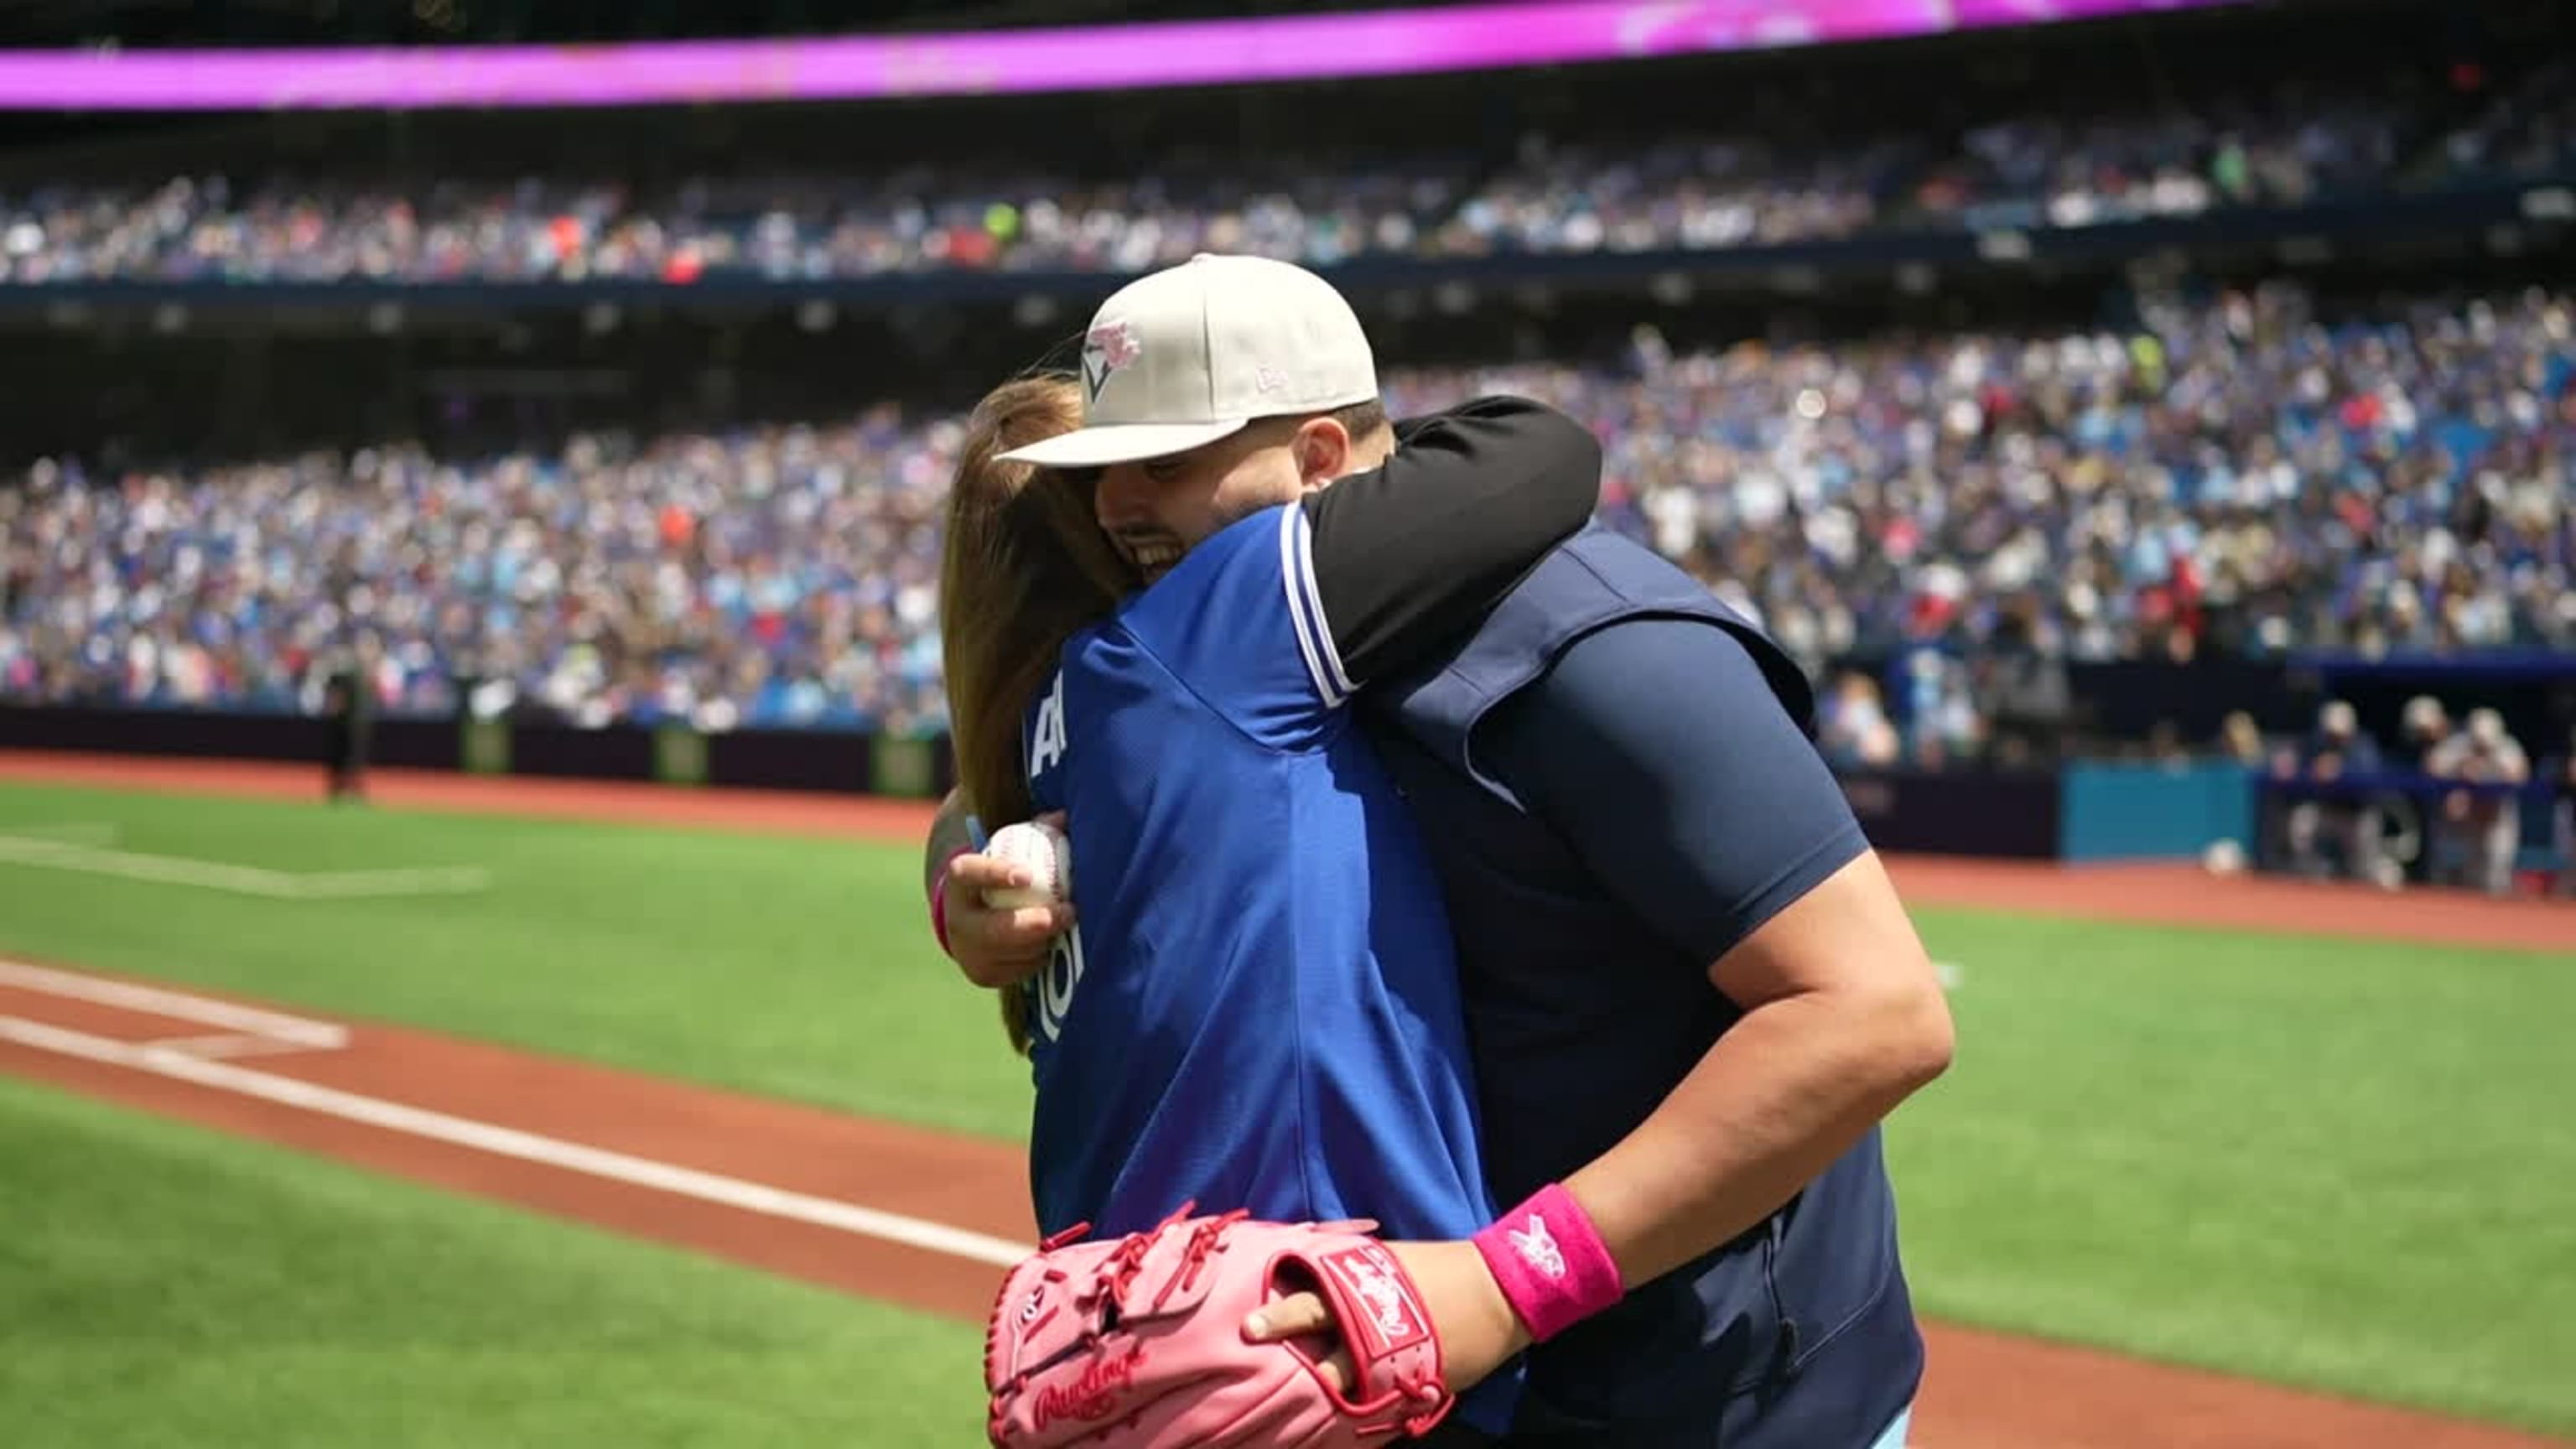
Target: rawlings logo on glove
1092 1395
1136 1343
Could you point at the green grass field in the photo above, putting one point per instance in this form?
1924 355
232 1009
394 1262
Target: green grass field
163 1285
2331 1164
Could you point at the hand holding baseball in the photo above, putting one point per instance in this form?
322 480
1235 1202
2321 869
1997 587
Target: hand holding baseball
1039 855
1000 945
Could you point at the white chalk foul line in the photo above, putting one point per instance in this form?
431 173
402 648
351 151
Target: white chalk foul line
68 832
227 1045
526 1146
276 1026
243 880
246 880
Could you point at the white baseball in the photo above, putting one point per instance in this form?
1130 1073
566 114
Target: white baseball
1045 853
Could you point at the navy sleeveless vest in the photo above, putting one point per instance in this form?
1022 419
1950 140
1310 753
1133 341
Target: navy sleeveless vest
1798 1335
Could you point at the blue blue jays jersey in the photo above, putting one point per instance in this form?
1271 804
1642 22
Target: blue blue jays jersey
1258 1006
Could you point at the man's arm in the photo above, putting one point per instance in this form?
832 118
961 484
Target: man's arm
1657 749
1409 553
1707 811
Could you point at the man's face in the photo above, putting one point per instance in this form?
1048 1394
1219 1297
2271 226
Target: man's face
1157 510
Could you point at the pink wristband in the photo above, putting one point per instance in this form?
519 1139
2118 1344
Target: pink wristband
1551 1263
939 898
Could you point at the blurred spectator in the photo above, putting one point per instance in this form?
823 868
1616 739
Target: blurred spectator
2023 689
2337 751
2240 741
348 714
2424 727
1853 730
2480 831
2564 808
1942 722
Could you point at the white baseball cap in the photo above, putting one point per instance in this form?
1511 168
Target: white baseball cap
1193 353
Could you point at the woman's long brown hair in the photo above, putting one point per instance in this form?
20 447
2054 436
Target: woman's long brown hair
1024 567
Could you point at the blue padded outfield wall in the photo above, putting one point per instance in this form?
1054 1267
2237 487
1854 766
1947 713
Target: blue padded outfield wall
2125 811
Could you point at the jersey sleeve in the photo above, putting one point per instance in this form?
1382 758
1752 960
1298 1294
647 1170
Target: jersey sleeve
1657 749
1409 553
1237 625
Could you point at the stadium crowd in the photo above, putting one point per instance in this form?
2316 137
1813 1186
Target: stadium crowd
1700 192
2237 476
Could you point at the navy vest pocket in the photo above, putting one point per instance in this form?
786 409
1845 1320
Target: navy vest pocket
1832 1274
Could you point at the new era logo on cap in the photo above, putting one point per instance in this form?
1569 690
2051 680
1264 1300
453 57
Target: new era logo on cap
1185 356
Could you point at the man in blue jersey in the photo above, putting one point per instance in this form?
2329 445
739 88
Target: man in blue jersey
1692 994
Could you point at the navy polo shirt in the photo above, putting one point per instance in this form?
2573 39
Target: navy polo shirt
1657 748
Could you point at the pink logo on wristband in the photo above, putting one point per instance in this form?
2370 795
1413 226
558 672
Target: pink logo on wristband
1550 1263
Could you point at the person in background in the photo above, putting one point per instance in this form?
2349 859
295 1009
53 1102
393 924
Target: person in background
349 722
1855 732
2336 751
2565 809
2240 739
2486 825
2426 725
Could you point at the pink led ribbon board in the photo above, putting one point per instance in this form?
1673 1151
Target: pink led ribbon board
1090 58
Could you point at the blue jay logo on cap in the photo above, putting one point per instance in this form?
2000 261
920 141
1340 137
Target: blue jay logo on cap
1105 349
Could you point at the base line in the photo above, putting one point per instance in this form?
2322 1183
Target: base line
730 1192
181 1005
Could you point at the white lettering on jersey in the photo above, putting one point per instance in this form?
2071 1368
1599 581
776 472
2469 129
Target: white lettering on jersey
1055 985
1046 742
1064 958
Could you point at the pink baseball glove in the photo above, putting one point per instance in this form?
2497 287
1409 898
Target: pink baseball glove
1137 1342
